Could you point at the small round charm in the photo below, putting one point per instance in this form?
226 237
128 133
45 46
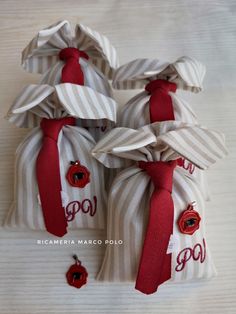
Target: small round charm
189 220
78 175
77 274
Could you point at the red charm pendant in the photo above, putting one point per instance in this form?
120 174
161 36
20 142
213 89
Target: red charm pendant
77 275
78 175
189 220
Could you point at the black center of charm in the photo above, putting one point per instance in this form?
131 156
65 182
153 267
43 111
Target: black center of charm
78 176
76 276
190 222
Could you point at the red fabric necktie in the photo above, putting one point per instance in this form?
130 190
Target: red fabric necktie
155 263
71 72
160 103
48 176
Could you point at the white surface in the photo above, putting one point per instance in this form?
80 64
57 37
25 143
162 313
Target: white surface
32 276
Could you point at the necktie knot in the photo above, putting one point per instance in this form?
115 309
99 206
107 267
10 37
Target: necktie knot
160 172
52 127
72 53
163 85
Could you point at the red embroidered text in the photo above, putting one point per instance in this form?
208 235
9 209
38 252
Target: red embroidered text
187 165
197 253
86 206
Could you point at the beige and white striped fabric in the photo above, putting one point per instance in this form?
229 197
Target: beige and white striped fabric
42 52
186 72
128 200
85 208
93 78
90 108
135 113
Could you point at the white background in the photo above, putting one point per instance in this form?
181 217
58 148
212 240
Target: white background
32 276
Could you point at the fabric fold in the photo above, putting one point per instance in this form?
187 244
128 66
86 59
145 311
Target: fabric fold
42 52
166 140
186 72
90 108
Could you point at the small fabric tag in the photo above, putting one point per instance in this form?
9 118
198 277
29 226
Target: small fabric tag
39 200
173 244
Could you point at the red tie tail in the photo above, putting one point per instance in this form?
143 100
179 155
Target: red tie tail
48 176
155 263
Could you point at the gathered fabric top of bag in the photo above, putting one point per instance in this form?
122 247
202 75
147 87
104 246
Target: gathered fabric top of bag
187 73
163 141
90 108
43 50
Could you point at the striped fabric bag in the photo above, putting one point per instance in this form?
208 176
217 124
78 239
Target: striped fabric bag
96 56
54 163
155 76
182 249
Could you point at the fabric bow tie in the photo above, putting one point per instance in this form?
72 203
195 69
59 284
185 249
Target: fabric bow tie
72 72
48 176
155 263
160 104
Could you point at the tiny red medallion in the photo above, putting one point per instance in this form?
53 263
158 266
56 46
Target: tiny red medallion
189 220
78 175
77 274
